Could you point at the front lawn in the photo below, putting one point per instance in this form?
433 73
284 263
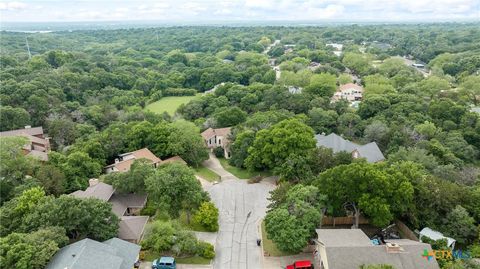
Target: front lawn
169 104
240 172
206 174
192 226
270 248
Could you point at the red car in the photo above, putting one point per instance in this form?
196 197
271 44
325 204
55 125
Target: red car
300 265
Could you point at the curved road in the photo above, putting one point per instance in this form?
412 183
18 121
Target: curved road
241 207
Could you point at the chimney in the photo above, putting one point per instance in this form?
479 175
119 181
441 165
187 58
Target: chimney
28 126
393 248
117 160
92 182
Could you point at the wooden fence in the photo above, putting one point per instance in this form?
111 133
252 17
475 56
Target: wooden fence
332 221
405 232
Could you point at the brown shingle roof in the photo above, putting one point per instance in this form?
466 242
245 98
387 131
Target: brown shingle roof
132 227
144 153
130 157
30 131
349 86
174 159
208 133
219 131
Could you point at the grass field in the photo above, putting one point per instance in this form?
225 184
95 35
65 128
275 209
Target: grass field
269 246
169 104
206 174
240 172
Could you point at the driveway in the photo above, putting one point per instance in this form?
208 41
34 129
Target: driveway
241 207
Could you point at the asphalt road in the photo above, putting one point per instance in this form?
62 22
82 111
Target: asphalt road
241 207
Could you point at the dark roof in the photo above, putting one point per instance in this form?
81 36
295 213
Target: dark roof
88 254
132 227
120 202
370 151
100 190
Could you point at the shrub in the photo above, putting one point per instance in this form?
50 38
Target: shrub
255 179
179 92
205 250
207 216
219 152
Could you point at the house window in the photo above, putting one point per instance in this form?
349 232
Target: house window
219 141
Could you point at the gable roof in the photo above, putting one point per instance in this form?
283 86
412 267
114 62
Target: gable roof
129 157
100 190
88 253
370 151
350 86
347 249
120 202
219 132
132 227
174 159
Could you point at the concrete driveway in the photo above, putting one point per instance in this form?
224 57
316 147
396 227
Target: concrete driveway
241 207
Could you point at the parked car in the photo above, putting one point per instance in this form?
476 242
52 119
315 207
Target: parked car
164 263
300 265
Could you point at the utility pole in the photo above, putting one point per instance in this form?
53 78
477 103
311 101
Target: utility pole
28 48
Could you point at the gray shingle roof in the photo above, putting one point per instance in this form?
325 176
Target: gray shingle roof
120 202
100 190
132 227
347 249
91 254
370 151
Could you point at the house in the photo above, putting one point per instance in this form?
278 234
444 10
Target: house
125 206
337 48
218 138
351 248
38 144
87 254
370 151
174 159
350 92
125 160
434 235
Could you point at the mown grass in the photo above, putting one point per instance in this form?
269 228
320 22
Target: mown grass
206 174
270 248
169 104
240 172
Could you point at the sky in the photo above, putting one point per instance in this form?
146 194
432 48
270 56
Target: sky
240 10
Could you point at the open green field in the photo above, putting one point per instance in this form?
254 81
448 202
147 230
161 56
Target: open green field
240 172
169 104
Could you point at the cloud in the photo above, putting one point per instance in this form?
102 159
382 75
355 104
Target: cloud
12 6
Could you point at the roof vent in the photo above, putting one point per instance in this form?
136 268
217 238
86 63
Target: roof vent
393 247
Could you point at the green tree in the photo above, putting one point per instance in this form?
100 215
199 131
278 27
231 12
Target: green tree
207 216
12 118
81 218
34 250
175 187
469 88
322 121
273 145
132 181
460 225
185 140
229 116
364 188
239 148
322 84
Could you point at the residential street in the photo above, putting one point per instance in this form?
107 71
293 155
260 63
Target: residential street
241 206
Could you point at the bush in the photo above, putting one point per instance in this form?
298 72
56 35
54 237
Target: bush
255 179
205 250
179 92
219 152
207 216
